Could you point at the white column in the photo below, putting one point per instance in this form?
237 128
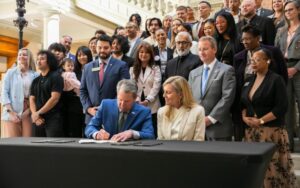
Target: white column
51 28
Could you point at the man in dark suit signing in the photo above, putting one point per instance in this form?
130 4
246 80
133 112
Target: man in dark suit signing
213 86
100 78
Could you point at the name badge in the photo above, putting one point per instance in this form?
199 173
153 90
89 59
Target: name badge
246 84
95 69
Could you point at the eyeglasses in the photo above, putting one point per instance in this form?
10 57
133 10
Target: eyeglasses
289 10
182 42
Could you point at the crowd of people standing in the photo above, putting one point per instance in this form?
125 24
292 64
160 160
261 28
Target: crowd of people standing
232 75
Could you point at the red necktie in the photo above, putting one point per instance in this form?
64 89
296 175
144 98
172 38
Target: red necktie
101 72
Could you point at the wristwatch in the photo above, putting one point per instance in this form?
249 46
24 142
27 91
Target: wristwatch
261 121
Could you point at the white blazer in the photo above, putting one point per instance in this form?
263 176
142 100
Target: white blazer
150 82
190 124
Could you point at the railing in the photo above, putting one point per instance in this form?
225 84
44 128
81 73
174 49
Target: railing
118 11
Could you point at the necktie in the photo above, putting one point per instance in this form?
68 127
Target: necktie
121 121
204 79
101 72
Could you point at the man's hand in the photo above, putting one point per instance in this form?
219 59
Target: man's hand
39 122
207 121
102 135
123 136
92 111
35 116
291 72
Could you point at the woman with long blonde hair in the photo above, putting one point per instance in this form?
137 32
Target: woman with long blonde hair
15 93
181 118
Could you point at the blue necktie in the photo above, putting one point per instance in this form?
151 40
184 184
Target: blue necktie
204 79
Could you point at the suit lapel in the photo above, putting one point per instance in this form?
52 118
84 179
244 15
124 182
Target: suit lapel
130 117
108 69
147 73
198 79
212 76
96 73
115 113
295 35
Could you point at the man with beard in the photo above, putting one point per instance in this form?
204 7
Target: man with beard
264 24
185 61
100 78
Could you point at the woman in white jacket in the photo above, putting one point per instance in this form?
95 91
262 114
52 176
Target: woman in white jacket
15 93
148 78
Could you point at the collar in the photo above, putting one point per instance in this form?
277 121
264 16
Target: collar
106 60
211 64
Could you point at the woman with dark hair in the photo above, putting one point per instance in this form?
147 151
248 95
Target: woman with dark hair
264 105
210 28
72 110
287 39
120 46
136 18
148 78
82 57
226 37
147 27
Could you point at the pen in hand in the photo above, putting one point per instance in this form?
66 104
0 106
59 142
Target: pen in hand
103 134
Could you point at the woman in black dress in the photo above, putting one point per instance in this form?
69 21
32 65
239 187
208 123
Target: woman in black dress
264 100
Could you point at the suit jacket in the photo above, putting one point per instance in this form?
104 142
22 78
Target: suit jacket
138 119
71 56
270 96
218 97
150 83
277 65
91 92
133 51
182 66
128 60
293 52
156 53
265 12
191 123
264 24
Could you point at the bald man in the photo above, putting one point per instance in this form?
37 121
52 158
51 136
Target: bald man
265 25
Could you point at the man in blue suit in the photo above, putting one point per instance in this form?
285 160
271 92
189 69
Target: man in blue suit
100 78
122 118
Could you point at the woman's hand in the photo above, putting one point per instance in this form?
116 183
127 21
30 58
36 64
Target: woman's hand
13 117
251 121
145 103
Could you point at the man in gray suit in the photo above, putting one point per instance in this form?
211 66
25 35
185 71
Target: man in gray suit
213 85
